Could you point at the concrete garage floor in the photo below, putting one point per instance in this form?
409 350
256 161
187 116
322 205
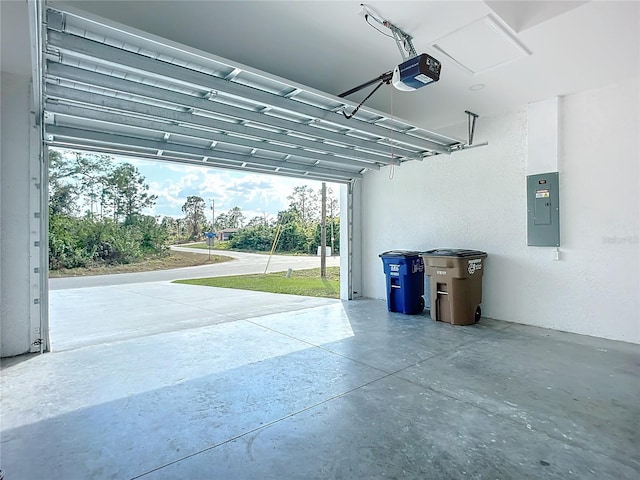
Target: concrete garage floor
185 386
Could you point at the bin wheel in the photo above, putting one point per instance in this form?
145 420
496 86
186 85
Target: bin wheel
421 304
478 314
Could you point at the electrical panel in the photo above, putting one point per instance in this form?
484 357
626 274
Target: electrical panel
543 210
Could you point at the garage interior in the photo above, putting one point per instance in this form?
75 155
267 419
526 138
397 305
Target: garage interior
544 386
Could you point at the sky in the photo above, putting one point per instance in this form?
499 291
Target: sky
255 194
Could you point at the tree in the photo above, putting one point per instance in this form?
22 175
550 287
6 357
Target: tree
62 200
95 184
172 227
193 211
127 192
235 218
153 236
293 236
258 237
222 222
76 178
305 201
257 220
232 219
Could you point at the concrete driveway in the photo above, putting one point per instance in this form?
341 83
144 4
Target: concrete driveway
105 309
111 314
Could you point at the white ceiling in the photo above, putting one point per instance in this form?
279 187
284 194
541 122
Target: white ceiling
326 45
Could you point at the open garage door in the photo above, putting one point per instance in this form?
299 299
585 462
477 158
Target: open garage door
115 90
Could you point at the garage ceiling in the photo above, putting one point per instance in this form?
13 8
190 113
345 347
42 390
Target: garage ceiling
573 46
559 48
114 90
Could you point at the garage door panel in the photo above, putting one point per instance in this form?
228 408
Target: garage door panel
161 147
202 107
111 109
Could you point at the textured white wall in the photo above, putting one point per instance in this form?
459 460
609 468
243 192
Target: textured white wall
601 205
14 215
477 199
543 136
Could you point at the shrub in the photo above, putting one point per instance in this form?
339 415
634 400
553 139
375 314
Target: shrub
81 242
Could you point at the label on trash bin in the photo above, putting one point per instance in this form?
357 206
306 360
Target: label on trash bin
475 265
394 270
417 266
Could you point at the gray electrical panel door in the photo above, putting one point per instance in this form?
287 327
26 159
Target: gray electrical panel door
543 210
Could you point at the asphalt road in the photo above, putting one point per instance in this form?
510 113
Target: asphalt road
243 263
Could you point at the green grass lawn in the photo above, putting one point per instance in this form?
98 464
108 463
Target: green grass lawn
301 282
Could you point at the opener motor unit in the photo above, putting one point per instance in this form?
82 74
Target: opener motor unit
416 72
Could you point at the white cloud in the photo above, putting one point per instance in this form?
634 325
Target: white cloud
255 194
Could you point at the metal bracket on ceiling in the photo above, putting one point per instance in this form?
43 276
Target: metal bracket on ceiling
403 40
471 125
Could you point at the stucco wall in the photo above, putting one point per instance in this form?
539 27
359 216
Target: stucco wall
477 199
14 214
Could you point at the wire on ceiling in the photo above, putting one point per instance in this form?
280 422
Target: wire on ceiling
366 17
392 167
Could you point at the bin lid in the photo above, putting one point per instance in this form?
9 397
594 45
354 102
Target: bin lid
453 252
399 254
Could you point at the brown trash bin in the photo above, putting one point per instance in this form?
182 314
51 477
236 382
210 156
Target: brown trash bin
455 284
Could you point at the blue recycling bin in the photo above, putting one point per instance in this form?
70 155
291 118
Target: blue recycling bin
404 271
